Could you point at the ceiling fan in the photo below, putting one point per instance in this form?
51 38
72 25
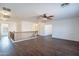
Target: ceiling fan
47 17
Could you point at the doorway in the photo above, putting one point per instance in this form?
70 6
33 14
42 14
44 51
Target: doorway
4 30
48 29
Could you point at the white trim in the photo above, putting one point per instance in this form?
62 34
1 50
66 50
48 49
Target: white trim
65 38
23 39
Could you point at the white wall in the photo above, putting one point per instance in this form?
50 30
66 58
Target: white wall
66 29
27 26
11 25
19 26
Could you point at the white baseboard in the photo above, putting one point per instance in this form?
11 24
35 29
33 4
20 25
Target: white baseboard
71 39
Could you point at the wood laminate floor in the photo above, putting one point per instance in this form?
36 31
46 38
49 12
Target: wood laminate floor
42 46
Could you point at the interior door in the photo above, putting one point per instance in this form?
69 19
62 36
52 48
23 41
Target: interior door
4 29
48 29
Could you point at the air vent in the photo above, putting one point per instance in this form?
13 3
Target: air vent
64 4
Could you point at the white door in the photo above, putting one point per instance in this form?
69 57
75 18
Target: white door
48 29
4 29
45 29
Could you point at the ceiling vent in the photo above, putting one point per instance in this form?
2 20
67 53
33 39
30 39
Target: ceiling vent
64 4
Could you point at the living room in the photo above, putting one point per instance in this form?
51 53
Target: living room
39 29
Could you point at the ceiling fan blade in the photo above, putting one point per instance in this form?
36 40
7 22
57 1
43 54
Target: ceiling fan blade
51 16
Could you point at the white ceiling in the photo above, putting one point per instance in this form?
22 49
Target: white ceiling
30 11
